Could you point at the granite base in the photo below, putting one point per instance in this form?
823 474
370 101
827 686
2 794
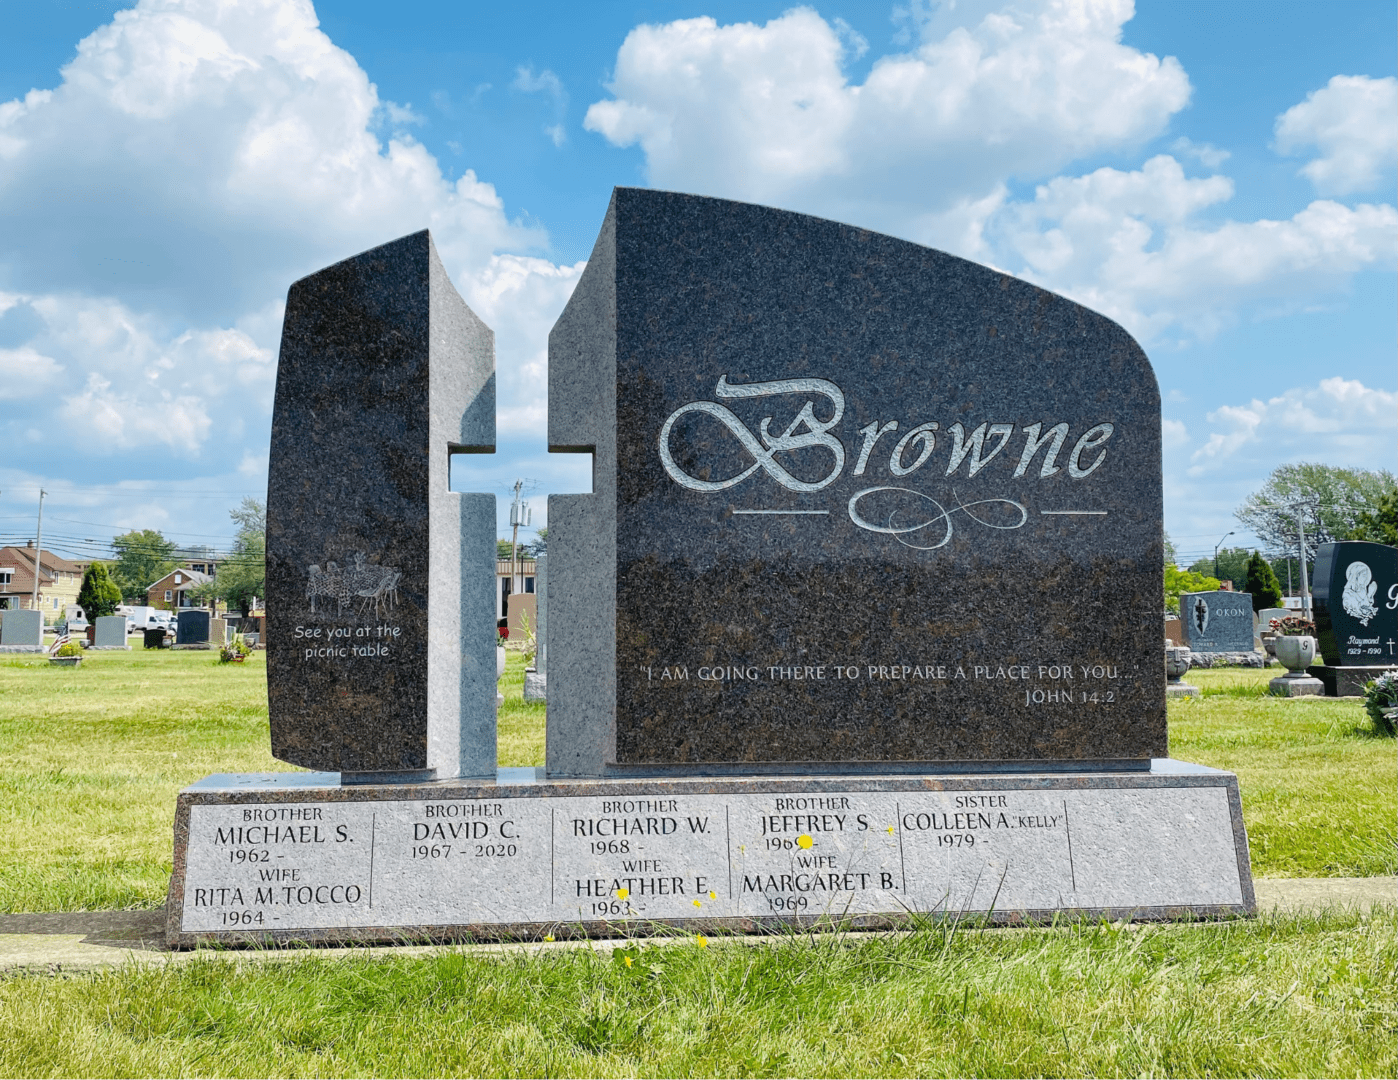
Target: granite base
535 686
1296 686
206 645
1347 681
23 648
1180 689
300 857
1253 658
107 648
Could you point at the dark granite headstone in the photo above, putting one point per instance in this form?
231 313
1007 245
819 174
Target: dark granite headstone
854 501
192 627
1216 622
1356 603
381 649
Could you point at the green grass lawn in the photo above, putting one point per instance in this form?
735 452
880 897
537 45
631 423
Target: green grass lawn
91 759
1275 996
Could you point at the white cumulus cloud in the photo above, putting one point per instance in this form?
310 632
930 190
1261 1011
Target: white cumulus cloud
197 157
1339 421
1128 243
1353 122
766 113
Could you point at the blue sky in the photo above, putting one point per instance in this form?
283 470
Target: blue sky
1219 177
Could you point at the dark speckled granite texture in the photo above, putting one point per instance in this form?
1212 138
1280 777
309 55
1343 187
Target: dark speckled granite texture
1033 593
384 372
1356 618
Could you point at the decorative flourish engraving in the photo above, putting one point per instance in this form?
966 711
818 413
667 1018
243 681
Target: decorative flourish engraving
1358 597
941 516
815 434
1201 614
374 587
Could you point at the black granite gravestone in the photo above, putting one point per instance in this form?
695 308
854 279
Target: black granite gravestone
854 501
1356 604
192 627
381 652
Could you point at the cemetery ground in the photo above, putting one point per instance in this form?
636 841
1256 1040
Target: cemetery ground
91 760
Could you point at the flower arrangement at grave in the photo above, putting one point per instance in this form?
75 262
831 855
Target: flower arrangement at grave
1381 702
1293 626
528 642
69 648
236 651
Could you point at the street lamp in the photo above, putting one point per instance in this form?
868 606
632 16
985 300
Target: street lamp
1216 547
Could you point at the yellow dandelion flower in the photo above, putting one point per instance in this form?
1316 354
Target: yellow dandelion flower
701 941
622 894
626 960
696 903
890 830
548 937
713 895
804 841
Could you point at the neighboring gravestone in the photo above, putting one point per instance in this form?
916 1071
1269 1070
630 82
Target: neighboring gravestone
1355 593
111 632
1217 623
536 681
21 631
855 502
192 628
381 650
752 586
1266 615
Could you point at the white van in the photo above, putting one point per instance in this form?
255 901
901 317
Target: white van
140 617
75 617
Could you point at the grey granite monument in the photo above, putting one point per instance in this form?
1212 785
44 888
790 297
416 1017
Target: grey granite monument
861 618
381 652
1218 628
21 631
1356 614
110 632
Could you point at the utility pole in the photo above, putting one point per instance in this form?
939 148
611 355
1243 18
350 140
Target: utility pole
519 515
1305 584
39 548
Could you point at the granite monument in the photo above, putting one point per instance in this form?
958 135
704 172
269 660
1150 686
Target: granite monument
1217 622
861 617
192 628
111 632
381 653
855 501
21 630
1356 614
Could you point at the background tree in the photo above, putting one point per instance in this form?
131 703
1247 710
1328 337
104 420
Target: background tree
143 557
1336 501
98 596
242 575
539 545
1181 581
1380 524
1262 583
1172 555
503 549
1232 566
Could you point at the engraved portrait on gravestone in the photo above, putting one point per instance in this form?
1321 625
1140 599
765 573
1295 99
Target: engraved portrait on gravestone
1358 597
